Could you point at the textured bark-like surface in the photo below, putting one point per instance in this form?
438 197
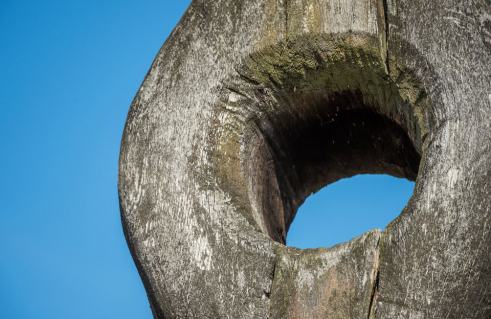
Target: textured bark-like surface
435 256
326 283
251 106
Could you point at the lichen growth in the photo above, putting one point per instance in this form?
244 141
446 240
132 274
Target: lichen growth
315 67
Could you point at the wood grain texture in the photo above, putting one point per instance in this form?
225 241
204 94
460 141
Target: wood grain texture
250 106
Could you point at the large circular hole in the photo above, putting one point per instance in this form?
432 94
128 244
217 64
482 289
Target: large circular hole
348 208
339 138
311 112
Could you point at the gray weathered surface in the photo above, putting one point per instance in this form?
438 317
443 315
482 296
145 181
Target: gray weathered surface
252 105
326 283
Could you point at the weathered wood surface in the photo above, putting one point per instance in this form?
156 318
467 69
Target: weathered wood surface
251 106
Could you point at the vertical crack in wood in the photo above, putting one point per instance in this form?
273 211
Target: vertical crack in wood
373 297
286 18
267 294
387 30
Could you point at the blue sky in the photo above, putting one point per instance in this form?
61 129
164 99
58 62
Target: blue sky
348 208
68 73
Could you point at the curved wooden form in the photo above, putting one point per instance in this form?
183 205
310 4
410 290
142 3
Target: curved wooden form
251 106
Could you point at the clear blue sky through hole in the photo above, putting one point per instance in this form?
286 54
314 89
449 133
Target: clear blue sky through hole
347 209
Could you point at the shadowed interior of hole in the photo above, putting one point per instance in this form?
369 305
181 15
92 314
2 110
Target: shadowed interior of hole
348 208
300 153
337 139
317 110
